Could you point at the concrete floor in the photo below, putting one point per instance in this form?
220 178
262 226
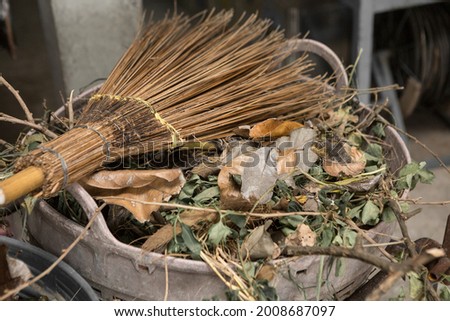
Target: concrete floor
434 132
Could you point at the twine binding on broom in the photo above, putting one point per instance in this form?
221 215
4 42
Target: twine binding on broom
64 167
107 144
176 137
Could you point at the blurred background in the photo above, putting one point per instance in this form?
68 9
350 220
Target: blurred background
50 47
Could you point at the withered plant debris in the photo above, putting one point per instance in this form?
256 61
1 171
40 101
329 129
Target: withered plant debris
200 204
238 203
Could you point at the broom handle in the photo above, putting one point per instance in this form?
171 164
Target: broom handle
21 184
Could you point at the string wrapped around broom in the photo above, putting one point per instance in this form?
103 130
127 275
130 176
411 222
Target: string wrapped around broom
181 79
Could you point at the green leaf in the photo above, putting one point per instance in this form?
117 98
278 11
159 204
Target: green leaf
378 130
388 214
416 289
237 179
294 206
370 213
343 202
28 203
189 189
317 172
371 168
409 169
444 293
33 141
426 176
355 139
265 292
249 269
326 237
349 237
190 241
355 212
394 194
323 197
404 207
287 231
339 267
338 240
375 151
239 220
207 195
218 233
292 221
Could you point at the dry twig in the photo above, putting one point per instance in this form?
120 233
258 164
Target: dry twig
403 268
19 99
40 128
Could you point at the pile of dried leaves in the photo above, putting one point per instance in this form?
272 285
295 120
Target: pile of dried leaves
240 202
243 200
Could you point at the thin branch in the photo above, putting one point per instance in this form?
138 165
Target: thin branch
418 142
19 99
69 110
417 202
365 235
383 245
211 210
59 260
403 228
40 128
407 266
5 143
166 273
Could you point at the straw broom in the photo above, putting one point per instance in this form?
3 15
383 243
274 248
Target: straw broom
181 79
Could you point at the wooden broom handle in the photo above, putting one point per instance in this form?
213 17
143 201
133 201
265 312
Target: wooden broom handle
21 184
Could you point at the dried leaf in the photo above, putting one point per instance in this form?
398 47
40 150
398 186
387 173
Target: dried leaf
267 272
286 161
137 185
243 131
302 236
13 272
296 154
311 205
230 192
354 167
259 244
19 269
340 117
273 127
260 175
364 185
205 169
163 235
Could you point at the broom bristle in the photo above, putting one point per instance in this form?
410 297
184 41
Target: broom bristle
186 78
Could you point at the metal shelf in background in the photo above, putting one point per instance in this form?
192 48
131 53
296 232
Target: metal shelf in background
364 12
